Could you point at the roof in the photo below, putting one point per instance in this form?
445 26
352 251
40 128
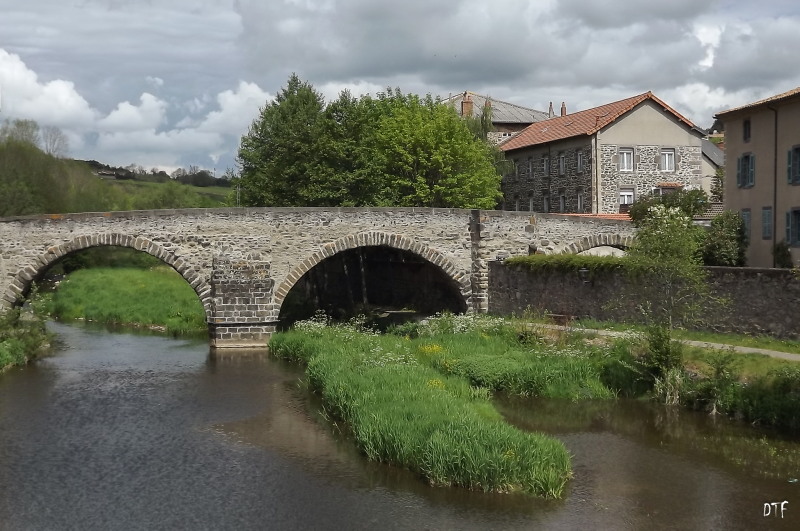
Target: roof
791 94
586 122
713 152
611 216
502 111
713 210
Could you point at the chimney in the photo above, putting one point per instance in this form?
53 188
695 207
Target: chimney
466 105
563 109
551 113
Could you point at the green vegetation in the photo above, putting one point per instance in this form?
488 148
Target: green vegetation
22 337
393 150
544 263
399 409
35 182
725 241
155 298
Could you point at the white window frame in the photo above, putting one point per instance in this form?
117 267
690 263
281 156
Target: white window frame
530 204
546 202
668 160
627 196
580 201
546 165
625 159
562 164
579 161
562 202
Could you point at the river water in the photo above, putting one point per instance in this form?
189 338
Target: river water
123 431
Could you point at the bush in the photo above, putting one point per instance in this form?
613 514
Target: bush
726 241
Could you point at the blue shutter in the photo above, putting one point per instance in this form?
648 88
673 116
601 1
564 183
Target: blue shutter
789 176
751 177
739 172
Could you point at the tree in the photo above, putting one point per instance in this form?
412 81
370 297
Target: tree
395 149
279 155
666 273
725 241
21 130
690 202
54 141
718 186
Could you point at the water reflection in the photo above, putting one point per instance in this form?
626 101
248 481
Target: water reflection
122 431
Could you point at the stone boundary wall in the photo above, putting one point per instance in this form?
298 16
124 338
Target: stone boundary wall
761 301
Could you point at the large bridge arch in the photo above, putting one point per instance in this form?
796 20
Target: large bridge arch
21 285
376 239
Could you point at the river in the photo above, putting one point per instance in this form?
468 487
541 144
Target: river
126 431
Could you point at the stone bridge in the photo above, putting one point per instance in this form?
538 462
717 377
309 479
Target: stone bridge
242 262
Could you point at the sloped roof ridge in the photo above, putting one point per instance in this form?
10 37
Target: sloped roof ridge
771 99
490 98
609 112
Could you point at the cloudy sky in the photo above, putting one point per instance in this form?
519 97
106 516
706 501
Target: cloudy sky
169 83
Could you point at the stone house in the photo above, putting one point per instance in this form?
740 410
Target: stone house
507 118
762 173
600 160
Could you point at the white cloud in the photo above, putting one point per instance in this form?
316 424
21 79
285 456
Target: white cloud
237 110
149 114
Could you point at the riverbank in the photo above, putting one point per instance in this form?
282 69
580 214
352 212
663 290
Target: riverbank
23 337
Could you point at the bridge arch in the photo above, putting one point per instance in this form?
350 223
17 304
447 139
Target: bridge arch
376 239
620 241
22 282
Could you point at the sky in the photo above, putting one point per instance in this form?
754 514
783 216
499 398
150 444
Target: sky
173 83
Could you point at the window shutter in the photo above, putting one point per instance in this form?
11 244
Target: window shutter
751 177
739 172
789 227
789 167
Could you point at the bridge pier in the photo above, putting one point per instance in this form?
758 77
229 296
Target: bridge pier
241 335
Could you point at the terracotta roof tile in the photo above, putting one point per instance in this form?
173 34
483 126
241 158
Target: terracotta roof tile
579 123
613 217
772 99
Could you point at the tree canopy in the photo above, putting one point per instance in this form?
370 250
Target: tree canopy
690 202
391 150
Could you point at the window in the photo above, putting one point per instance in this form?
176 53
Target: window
530 168
746 130
746 218
580 200
667 160
626 196
562 164
579 161
517 168
546 165
516 204
766 223
562 201
793 226
746 171
625 159
546 202
793 166
530 203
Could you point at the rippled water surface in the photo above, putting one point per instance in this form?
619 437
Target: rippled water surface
122 431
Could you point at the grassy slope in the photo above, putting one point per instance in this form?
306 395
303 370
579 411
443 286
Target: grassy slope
157 297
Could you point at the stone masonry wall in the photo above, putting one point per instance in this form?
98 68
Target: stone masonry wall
761 301
243 262
646 173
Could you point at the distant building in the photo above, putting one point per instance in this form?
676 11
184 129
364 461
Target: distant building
507 118
762 172
601 160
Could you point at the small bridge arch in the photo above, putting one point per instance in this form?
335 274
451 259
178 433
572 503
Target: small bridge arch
619 241
20 288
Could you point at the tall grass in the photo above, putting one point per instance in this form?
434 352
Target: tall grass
404 412
156 297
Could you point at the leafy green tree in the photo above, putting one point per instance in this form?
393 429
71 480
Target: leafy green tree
279 154
666 273
725 242
690 202
391 150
